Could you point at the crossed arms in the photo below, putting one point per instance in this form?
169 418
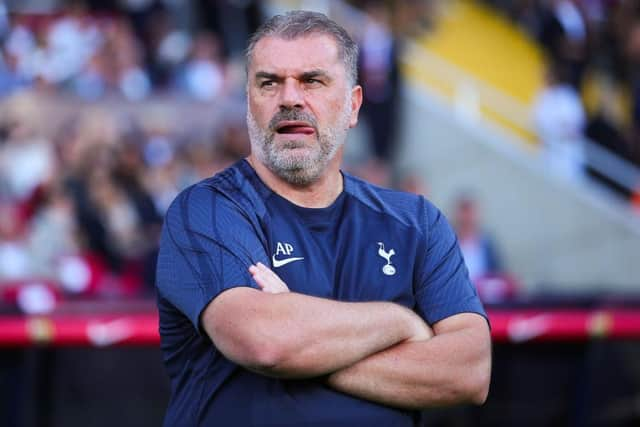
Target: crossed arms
378 351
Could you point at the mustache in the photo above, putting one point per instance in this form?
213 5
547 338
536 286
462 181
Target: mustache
291 114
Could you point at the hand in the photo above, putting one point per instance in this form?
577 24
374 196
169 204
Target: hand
267 280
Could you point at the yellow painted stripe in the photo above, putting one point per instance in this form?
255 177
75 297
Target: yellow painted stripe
488 46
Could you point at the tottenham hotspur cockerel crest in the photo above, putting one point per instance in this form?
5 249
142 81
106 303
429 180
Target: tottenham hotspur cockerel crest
387 269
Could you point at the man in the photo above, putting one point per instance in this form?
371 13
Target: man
293 294
478 249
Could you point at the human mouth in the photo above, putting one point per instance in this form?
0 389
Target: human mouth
294 128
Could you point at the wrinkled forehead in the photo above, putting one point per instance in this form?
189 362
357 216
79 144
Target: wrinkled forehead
279 55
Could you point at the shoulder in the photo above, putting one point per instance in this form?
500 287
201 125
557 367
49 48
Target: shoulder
226 200
410 209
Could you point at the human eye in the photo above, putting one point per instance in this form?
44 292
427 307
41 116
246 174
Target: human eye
265 84
312 81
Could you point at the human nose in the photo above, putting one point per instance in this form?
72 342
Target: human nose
291 96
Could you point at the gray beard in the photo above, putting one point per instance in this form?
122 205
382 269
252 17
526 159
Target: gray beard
299 169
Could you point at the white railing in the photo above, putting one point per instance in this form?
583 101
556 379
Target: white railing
472 95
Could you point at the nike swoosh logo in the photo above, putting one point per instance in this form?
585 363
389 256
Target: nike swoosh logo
102 334
280 262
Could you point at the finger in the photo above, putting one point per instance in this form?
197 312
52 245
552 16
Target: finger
262 283
258 276
266 272
267 279
264 268
263 279
269 272
273 284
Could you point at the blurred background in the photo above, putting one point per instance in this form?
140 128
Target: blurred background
520 119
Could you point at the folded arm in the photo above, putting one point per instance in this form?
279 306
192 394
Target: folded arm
452 367
297 336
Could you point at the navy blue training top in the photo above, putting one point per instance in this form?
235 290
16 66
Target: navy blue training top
371 244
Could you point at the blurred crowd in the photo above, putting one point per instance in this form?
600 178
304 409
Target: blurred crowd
593 79
81 210
82 194
133 49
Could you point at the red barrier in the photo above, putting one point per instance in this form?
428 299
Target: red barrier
564 325
142 329
80 330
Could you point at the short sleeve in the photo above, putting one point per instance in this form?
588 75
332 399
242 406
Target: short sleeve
444 288
206 247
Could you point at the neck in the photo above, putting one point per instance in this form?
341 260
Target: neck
318 194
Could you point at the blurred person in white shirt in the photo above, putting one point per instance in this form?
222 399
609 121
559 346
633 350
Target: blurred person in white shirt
560 121
203 76
26 158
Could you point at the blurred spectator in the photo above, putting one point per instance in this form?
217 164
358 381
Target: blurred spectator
14 255
633 56
140 13
163 174
9 79
564 34
380 79
233 20
560 120
480 254
479 251
26 158
132 79
70 42
203 75
91 83
53 232
169 46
